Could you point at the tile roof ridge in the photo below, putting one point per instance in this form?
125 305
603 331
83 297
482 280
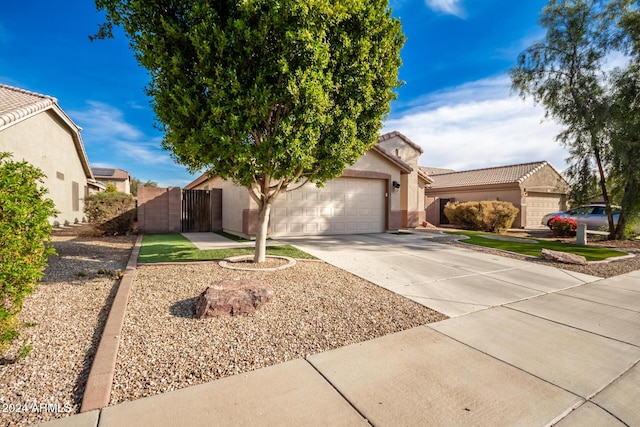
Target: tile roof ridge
28 92
16 114
532 171
540 164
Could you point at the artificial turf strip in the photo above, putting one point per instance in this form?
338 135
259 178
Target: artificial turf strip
591 253
177 248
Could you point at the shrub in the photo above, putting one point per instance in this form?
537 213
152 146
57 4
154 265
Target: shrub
26 237
563 227
492 216
110 212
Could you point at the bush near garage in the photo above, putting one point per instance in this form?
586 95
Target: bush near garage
110 213
492 216
563 227
26 234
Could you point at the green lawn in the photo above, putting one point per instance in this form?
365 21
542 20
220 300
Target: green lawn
592 253
177 248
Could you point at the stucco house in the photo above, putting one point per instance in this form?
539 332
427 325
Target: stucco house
534 188
118 177
383 190
34 128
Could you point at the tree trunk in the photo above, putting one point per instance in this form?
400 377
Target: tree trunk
261 233
603 186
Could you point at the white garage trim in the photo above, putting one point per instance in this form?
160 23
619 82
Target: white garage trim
343 206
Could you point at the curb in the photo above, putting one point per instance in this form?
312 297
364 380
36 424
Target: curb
98 389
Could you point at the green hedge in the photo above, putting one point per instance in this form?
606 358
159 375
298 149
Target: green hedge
492 216
110 212
26 234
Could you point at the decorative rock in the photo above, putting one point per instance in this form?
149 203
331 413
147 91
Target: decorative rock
234 297
564 257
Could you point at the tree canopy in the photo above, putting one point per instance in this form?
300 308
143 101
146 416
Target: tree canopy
568 73
268 93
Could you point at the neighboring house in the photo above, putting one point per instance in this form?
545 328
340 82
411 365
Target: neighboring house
118 177
383 190
34 128
534 188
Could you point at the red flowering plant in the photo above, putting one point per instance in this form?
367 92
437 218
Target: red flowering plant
563 227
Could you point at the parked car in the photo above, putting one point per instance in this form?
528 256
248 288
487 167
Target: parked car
595 216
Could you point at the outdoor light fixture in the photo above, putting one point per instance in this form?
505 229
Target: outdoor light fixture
396 185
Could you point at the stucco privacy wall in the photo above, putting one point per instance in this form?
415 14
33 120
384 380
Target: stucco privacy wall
159 210
47 143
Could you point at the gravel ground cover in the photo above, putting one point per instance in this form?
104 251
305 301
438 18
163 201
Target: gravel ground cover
69 309
316 308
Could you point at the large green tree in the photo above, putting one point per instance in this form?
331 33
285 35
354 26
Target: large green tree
564 73
271 94
624 125
568 73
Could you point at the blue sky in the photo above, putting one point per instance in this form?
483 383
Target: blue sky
456 102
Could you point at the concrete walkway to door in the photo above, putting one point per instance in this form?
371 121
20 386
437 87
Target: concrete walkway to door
451 280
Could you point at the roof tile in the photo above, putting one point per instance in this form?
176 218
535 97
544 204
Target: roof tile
16 104
495 175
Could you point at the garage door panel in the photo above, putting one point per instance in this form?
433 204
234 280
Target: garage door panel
344 205
540 204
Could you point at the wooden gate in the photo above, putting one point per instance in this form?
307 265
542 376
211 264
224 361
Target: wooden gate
196 211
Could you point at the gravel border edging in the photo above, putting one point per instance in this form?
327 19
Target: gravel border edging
228 263
100 381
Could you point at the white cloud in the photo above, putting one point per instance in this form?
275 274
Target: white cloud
105 121
111 141
450 7
479 124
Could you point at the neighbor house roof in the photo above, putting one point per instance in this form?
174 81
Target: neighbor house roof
17 105
110 174
495 175
430 170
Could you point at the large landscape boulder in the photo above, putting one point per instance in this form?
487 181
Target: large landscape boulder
564 257
234 297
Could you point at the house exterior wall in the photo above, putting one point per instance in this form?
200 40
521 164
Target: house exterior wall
507 193
46 142
411 187
546 180
123 186
240 212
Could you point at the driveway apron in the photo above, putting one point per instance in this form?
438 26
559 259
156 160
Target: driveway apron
451 280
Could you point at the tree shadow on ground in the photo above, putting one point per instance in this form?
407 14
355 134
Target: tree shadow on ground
185 308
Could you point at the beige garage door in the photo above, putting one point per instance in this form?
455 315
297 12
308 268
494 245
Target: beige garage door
343 206
540 204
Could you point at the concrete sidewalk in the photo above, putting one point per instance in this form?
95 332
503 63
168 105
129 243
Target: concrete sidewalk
557 348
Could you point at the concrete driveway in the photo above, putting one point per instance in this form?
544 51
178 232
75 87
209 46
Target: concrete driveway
448 279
